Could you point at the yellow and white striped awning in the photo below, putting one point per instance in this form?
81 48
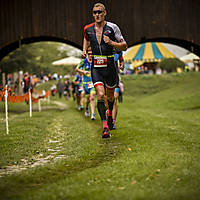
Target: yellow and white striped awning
147 52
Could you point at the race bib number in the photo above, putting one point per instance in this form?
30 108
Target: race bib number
100 61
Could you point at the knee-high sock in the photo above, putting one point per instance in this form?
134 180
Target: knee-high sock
110 107
101 109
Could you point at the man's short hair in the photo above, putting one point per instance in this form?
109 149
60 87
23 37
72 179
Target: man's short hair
99 5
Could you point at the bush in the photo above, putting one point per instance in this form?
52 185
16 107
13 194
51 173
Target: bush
171 64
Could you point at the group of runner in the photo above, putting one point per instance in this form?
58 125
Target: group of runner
99 69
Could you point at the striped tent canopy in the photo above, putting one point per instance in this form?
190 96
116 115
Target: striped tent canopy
147 52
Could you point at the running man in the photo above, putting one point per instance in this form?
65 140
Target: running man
85 68
78 86
103 36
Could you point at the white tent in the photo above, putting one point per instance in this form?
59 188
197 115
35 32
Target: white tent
189 58
68 61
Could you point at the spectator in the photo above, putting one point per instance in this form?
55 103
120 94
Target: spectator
60 88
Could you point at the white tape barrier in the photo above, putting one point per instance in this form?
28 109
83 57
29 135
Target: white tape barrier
39 106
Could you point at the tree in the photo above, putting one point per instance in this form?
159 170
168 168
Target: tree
171 64
36 57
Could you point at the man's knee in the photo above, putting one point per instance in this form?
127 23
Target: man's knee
101 95
92 97
116 94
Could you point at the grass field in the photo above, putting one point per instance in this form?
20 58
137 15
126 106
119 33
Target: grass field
153 154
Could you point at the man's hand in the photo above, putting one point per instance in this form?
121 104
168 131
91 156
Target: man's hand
107 40
119 45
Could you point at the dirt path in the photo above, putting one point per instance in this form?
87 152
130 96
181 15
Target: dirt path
60 104
53 147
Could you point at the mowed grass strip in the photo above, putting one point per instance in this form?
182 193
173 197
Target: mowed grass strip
153 154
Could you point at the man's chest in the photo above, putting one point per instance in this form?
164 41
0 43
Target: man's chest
97 34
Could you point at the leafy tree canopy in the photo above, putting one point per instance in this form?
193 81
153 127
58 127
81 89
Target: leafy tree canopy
37 57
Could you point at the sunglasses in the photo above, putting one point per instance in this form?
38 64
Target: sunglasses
89 54
97 12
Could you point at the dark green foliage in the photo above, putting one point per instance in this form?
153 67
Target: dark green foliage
36 57
171 64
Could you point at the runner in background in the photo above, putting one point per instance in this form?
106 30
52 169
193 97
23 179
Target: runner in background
79 93
85 68
67 88
27 83
73 90
119 62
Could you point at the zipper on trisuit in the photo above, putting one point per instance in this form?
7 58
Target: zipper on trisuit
100 49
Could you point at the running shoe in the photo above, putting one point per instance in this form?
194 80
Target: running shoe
81 107
106 133
114 128
93 116
87 113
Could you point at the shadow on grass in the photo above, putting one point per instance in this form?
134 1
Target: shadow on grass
192 108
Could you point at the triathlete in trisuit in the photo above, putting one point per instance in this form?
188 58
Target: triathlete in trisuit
103 36
84 67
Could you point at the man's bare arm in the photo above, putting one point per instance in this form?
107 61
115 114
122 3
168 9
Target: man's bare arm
85 47
82 71
119 45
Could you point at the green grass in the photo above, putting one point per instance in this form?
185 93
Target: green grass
153 154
